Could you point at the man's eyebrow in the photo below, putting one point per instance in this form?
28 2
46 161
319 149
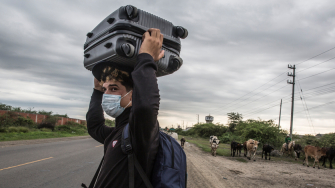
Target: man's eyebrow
112 85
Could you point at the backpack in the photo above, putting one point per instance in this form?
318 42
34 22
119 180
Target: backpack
170 164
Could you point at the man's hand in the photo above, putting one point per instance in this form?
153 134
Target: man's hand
97 85
152 41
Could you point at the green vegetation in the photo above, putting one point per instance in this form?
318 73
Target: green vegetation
240 131
264 131
29 111
23 133
327 140
110 123
16 127
223 149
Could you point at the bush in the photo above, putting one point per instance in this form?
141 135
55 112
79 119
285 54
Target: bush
76 125
266 132
228 137
328 140
110 123
26 122
64 128
206 130
12 119
12 129
72 127
3 130
46 125
22 129
46 130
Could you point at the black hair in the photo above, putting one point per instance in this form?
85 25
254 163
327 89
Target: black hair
113 73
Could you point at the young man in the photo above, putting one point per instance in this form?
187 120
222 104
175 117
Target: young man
130 96
287 141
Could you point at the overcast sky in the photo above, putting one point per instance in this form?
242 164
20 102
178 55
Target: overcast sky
235 58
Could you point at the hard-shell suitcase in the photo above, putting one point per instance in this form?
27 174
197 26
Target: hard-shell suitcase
119 36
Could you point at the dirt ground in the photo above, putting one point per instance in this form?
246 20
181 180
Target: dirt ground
204 170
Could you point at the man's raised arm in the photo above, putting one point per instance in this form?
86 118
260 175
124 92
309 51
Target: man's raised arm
95 116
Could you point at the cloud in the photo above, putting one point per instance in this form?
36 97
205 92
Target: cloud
233 48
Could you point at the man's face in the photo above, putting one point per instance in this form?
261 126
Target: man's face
116 88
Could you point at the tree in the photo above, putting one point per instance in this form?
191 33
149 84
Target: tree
233 120
266 132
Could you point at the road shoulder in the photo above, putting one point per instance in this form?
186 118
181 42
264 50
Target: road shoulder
40 141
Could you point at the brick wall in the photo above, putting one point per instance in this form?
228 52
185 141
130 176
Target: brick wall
38 118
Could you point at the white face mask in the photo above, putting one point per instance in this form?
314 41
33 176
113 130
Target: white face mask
111 104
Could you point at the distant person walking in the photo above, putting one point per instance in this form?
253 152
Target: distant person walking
287 141
182 142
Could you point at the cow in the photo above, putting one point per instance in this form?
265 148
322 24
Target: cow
314 152
330 154
267 149
214 146
239 148
250 148
290 150
297 149
213 139
182 142
235 147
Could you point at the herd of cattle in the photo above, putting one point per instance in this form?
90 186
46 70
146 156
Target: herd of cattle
250 148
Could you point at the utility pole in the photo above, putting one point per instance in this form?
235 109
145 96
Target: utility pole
292 105
198 117
281 101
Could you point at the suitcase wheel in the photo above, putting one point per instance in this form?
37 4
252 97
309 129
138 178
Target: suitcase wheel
132 11
87 55
110 20
108 45
128 49
89 35
174 64
181 32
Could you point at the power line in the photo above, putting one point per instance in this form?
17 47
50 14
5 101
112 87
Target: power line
318 93
260 97
217 109
325 104
316 56
306 106
317 64
249 92
316 74
258 93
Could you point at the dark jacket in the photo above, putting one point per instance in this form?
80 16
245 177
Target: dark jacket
144 128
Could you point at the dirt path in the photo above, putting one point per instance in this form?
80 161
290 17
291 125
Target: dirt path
40 141
204 170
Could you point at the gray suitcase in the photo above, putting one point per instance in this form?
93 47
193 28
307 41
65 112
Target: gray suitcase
119 36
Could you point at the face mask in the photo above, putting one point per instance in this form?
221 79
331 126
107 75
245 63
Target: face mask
111 104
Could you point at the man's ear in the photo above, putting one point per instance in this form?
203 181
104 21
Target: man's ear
131 95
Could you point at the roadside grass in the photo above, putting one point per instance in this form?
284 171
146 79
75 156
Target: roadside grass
38 134
224 150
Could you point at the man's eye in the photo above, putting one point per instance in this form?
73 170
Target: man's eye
114 89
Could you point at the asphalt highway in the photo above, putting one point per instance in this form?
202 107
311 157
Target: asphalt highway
62 164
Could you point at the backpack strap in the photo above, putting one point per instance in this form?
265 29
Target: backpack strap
95 175
132 160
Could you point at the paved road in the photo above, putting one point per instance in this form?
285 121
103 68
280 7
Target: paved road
60 164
